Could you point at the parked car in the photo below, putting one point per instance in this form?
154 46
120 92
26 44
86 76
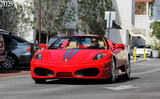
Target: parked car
81 57
3 51
140 50
17 51
131 51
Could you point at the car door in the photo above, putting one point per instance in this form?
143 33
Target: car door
120 54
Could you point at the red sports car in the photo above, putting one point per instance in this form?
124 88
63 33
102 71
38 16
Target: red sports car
81 57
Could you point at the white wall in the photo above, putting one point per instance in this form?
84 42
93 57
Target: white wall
142 21
156 12
119 36
125 12
125 18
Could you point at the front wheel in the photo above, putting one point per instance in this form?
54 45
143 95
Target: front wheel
113 73
128 70
9 63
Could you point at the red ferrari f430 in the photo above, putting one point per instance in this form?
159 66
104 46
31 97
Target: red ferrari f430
81 57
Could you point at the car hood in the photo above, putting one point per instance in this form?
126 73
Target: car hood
69 56
142 49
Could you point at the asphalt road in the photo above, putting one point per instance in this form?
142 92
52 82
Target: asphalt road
144 84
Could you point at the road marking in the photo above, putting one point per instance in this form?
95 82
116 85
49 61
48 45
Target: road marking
121 87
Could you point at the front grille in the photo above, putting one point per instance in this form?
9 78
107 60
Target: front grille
64 74
87 72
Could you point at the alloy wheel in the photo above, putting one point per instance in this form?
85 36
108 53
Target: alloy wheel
9 62
113 73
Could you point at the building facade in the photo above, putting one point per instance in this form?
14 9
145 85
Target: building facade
133 17
136 17
125 19
146 11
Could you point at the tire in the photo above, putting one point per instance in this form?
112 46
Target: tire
128 70
112 78
40 81
9 63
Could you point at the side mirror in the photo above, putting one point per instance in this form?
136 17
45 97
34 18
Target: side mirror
120 46
32 48
29 49
43 46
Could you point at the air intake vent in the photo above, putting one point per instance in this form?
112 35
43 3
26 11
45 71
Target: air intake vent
87 72
43 72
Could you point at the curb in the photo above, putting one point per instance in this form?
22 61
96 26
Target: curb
2 75
141 59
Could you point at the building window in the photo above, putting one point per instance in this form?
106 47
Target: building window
141 8
150 8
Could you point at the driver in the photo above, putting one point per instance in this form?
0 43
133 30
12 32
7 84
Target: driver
94 44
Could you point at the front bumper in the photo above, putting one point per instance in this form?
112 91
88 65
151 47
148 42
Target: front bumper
24 58
79 71
142 54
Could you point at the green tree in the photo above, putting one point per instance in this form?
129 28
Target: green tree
55 14
156 29
8 18
91 15
155 26
17 18
25 16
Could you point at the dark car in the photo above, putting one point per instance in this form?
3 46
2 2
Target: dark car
17 51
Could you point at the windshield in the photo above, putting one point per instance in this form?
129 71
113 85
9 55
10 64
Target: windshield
52 40
142 46
82 42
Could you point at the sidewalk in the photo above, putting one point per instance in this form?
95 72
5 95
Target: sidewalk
9 73
139 59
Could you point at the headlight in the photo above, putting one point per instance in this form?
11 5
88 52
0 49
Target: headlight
38 56
99 56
